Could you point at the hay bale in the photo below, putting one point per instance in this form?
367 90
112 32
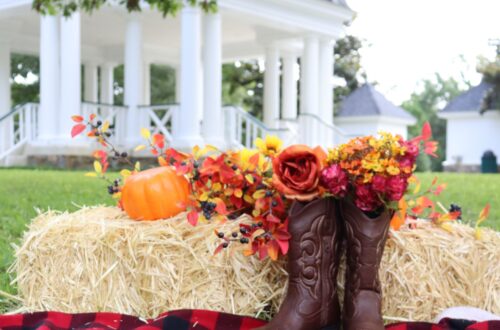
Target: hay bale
98 260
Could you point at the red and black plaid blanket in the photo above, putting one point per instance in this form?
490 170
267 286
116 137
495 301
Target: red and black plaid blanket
186 320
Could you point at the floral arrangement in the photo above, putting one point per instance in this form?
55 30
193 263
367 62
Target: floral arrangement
374 172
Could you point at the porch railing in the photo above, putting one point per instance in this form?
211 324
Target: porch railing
115 114
159 119
313 130
17 127
242 129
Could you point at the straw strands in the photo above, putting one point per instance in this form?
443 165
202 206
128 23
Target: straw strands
96 259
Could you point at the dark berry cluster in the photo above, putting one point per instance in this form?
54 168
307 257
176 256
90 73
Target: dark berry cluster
456 208
96 127
208 209
115 187
234 237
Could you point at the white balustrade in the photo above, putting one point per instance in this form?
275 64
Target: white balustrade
314 131
159 119
114 114
242 129
21 126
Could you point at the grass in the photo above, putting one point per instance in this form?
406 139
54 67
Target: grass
22 191
471 191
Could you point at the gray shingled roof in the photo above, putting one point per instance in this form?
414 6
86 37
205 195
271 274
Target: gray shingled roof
366 101
341 3
470 100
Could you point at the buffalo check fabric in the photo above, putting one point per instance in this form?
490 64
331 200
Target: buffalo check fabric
186 320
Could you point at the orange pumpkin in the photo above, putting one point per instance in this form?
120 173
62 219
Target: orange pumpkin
153 194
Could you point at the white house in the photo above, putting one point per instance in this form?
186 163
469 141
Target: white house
366 112
194 42
468 132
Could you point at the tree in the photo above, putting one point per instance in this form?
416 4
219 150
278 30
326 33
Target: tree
491 73
348 66
22 68
424 105
242 85
68 7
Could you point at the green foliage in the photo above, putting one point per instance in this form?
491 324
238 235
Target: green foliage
491 73
118 84
348 66
242 85
68 7
162 84
424 105
21 66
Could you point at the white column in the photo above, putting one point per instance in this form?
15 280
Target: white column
49 78
309 76
4 77
107 95
272 87
146 94
91 82
178 84
133 79
70 90
325 80
187 119
289 87
5 103
213 120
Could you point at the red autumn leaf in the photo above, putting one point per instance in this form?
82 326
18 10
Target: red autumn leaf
262 251
484 213
77 129
219 248
283 246
282 235
430 148
91 133
92 117
221 208
426 131
105 167
100 154
159 140
154 152
273 249
434 181
77 119
439 189
272 218
192 218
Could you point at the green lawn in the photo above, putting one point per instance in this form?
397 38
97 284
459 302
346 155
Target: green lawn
23 190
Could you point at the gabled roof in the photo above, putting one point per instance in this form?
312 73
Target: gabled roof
470 100
366 101
341 3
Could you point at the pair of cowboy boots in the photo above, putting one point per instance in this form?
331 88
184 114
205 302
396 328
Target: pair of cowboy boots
318 230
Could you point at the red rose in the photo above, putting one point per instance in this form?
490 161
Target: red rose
366 198
297 170
396 187
335 179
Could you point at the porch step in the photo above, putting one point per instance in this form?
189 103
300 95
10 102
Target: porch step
15 160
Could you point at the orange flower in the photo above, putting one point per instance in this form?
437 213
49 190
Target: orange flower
297 171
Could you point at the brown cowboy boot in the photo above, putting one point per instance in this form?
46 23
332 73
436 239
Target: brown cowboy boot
311 302
365 237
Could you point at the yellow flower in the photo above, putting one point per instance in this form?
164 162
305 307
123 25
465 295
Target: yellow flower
270 146
393 170
243 159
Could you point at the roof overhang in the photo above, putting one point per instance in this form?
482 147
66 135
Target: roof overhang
375 119
489 114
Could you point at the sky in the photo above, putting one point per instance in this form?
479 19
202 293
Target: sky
409 40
